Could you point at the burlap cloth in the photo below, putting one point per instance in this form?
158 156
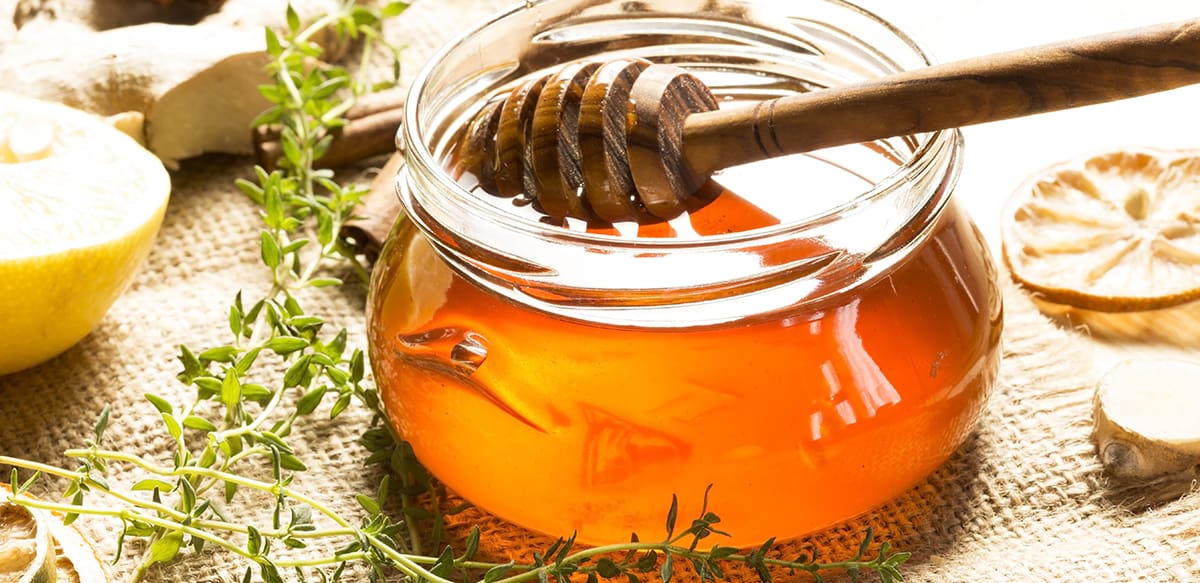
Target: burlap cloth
1023 500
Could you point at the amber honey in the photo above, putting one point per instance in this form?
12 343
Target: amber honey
797 423
815 341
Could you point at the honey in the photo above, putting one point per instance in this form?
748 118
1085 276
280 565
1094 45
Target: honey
797 423
815 341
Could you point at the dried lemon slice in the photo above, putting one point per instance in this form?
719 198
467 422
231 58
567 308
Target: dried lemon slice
1114 232
80 205
26 551
36 547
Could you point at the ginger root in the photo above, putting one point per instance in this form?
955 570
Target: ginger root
195 85
1147 418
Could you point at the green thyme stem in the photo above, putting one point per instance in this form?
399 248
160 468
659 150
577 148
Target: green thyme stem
149 505
146 504
188 471
39 467
257 422
199 530
313 28
306 35
405 562
327 252
51 470
408 564
323 561
414 533
128 514
229 463
277 533
244 454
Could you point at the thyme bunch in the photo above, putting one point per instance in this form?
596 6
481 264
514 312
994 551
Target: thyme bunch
248 397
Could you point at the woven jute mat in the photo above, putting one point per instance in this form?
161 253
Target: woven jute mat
1024 499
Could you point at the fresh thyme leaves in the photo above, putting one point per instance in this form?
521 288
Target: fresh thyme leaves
230 438
243 410
638 561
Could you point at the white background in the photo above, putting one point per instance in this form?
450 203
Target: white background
1000 155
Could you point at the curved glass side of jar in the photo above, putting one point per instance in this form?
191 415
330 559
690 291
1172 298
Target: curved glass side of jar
573 382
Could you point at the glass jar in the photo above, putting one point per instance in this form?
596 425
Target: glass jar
814 342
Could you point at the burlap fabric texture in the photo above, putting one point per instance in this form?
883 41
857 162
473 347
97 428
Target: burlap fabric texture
1024 500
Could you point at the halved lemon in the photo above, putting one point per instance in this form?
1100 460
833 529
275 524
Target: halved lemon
1114 232
80 206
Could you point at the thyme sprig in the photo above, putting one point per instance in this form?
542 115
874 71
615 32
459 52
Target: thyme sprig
231 434
281 364
372 543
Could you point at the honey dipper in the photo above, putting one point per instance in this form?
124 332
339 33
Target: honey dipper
626 139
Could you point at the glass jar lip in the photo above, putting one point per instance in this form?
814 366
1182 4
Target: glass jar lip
417 152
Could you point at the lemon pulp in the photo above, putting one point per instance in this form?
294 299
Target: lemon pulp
80 206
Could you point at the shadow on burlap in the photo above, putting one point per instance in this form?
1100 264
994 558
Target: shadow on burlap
1023 500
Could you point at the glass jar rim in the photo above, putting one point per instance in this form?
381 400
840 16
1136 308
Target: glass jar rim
410 137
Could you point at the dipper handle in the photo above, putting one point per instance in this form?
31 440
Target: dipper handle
626 139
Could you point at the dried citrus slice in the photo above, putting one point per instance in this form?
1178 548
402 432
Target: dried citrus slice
80 205
1115 232
36 547
26 551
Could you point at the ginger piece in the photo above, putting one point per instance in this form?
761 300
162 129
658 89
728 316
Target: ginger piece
195 85
1147 418
200 96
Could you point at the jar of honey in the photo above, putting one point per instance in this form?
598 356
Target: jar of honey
814 341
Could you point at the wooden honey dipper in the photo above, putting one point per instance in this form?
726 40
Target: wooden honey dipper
627 139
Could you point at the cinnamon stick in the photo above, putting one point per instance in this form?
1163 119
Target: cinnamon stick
370 131
377 211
